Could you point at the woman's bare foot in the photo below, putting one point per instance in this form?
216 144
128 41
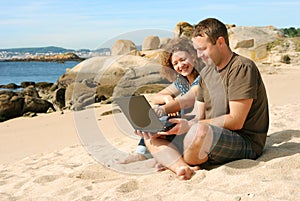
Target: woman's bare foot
186 172
160 167
133 158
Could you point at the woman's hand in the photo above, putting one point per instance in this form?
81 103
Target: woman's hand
168 98
159 110
173 115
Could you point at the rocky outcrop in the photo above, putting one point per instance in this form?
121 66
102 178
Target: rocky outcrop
150 43
98 78
40 85
252 42
183 29
36 105
122 47
159 56
11 105
139 78
15 104
163 42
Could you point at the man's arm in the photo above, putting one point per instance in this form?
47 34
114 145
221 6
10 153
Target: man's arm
235 120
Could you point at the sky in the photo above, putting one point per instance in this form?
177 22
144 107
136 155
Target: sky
92 24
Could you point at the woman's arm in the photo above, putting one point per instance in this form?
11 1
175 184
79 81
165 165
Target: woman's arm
166 95
182 102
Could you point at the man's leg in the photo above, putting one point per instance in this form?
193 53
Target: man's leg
197 144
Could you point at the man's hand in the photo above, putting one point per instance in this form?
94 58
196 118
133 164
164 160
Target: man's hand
181 127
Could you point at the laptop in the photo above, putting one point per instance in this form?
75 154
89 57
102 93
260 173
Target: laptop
141 116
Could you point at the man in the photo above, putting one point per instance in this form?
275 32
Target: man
232 107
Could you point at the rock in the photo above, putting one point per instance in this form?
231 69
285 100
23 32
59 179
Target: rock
160 56
150 43
103 92
30 91
123 47
285 59
27 83
44 85
10 86
78 95
11 105
252 42
245 43
164 42
137 78
37 105
16 104
59 98
65 80
98 78
183 29
150 89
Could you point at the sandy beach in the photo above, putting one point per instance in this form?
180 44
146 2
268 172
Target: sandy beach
74 156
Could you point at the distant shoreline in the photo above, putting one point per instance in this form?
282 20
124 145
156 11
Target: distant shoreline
44 59
40 60
61 58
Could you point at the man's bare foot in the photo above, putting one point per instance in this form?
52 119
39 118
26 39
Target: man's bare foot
186 172
133 158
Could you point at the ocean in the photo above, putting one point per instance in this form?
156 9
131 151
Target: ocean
17 72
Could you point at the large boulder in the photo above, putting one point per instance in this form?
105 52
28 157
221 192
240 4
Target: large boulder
78 95
164 42
183 29
122 47
139 78
150 43
36 105
247 43
252 41
65 80
11 105
160 56
97 77
30 91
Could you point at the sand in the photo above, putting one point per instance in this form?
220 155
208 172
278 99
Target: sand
75 156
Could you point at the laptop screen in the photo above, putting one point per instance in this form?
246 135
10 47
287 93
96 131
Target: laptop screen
140 113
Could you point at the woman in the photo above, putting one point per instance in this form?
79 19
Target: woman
183 59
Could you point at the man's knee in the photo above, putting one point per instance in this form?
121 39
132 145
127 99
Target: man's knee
196 135
197 144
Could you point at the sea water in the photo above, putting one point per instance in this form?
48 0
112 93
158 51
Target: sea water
35 71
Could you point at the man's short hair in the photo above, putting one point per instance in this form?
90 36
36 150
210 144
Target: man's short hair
213 28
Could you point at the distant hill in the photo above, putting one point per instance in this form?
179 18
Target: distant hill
50 49
33 50
24 53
